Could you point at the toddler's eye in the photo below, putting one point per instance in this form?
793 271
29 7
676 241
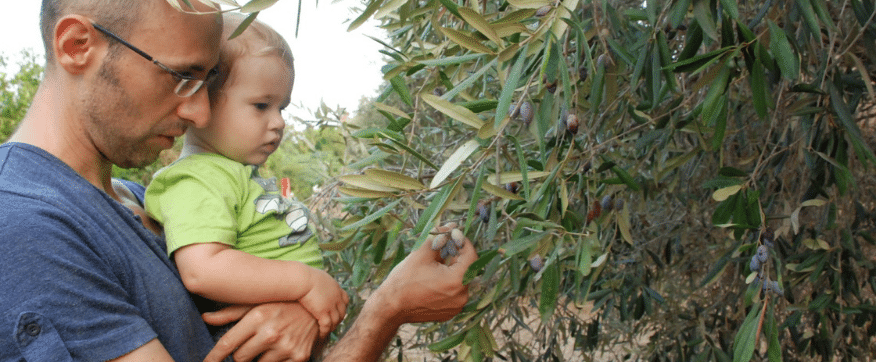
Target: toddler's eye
261 106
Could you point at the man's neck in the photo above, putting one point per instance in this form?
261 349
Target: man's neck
48 127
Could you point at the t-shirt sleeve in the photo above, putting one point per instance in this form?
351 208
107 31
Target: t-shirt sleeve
196 202
62 300
138 190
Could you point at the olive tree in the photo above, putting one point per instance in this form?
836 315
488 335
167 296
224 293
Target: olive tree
692 174
658 180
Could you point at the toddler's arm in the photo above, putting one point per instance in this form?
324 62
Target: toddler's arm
220 273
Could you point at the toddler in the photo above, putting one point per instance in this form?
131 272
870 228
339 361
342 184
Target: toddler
235 236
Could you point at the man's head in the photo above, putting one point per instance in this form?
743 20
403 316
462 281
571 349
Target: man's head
114 14
117 66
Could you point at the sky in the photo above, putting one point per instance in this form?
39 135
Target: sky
331 64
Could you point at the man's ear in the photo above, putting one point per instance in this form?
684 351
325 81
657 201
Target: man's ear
76 43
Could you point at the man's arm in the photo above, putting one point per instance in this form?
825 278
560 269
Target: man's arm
367 339
273 331
420 289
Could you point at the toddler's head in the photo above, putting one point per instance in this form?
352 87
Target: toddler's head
253 86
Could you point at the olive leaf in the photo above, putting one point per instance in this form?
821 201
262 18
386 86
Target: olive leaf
454 161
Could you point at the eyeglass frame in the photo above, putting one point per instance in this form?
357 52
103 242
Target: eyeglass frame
182 80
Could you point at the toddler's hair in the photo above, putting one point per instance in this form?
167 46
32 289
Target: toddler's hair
258 39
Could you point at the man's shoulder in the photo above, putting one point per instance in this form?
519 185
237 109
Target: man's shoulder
42 194
30 173
25 176
17 157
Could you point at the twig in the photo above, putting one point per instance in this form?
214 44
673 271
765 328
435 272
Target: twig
760 321
860 33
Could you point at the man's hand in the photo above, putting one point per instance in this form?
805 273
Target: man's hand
326 301
276 331
421 288
424 287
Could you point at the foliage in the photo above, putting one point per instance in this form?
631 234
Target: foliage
17 92
309 157
617 164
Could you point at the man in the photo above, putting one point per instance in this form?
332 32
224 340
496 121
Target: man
81 278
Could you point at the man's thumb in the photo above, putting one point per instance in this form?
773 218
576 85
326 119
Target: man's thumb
225 315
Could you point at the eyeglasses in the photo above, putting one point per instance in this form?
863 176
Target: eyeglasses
186 86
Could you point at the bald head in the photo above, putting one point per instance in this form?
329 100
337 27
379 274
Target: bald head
119 15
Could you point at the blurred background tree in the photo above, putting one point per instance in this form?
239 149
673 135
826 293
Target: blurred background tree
17 91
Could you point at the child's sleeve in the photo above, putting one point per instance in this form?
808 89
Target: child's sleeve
196 202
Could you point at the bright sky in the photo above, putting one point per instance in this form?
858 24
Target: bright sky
330 64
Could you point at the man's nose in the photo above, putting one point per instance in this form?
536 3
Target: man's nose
195 109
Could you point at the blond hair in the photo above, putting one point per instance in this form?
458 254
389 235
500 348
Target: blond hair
258 39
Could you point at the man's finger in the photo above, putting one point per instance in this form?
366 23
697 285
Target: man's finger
230 342
425 251
250 348
467 256
226 315
436 254
444 228
275 356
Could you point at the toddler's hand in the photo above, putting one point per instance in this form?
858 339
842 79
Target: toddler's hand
326 301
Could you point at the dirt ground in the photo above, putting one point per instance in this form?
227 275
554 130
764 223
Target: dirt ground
416 351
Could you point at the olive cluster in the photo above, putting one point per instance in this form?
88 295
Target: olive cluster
448 242
759 261
569 121
536 262
523 111
483 210
607 204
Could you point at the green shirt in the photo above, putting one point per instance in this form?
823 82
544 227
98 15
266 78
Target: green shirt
205 197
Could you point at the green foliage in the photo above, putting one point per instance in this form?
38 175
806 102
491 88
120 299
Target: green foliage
17 92
309 157
667 140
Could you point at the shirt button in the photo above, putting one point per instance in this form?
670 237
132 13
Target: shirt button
32 329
